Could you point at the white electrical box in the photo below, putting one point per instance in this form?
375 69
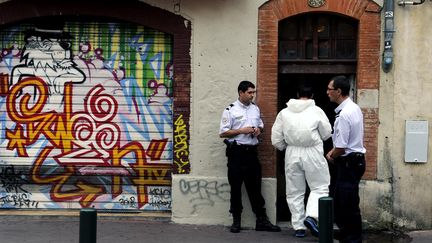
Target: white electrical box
416 141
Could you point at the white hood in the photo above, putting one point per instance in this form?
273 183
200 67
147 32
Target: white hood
297 106
302 123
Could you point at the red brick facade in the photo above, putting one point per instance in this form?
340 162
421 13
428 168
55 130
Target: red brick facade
368 68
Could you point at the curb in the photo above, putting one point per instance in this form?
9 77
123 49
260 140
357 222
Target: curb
101 214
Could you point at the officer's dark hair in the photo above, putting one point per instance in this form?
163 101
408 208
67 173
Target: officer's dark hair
245 85
304 92
342 83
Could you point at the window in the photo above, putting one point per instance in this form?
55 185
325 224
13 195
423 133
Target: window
317 37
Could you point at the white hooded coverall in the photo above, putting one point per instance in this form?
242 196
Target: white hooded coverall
300 129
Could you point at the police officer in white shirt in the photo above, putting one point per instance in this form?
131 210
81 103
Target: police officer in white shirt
241 125
348 155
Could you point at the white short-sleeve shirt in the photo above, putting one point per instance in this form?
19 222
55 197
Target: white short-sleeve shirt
236 116
348 128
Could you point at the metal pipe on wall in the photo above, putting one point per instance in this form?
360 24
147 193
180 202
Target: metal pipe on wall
387 59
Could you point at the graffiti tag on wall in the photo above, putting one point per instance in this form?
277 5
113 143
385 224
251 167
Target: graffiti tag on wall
204 193
181 147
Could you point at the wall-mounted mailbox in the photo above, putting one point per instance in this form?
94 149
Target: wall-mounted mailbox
416 141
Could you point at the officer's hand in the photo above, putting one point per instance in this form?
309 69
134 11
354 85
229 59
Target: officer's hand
329 158
257 131
247 130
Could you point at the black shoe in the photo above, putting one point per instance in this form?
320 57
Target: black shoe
312 225
236 225
337 235
300 233
263 224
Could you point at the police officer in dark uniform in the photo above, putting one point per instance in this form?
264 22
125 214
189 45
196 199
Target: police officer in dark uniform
241 124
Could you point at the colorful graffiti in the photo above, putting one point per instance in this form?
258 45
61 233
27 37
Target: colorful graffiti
86 115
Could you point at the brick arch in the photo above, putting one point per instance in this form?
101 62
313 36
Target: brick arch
137 12
367 12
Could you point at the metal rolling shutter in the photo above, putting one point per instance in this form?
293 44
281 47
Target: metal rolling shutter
86 116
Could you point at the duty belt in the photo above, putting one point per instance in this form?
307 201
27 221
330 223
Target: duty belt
349 159
245 146
355 155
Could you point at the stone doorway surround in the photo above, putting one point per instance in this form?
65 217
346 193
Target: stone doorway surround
368 14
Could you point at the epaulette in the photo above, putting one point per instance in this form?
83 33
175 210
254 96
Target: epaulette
231 105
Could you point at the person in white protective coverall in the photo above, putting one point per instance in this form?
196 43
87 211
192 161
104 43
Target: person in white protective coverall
300 128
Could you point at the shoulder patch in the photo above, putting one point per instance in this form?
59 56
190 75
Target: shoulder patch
224 120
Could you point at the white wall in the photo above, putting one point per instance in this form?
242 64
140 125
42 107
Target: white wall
224 52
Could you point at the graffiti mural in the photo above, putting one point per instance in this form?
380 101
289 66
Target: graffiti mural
86 116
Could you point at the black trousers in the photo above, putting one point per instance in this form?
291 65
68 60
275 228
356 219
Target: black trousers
244 167
350 169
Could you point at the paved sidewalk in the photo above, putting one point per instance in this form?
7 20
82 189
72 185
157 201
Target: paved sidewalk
65 229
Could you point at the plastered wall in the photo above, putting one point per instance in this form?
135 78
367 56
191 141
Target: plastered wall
405 93
223 51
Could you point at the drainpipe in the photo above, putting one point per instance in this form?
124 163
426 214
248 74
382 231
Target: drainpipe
387 59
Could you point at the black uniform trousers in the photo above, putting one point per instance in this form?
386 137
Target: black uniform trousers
350 169
244 166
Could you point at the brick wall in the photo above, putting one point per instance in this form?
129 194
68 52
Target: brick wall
368 68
